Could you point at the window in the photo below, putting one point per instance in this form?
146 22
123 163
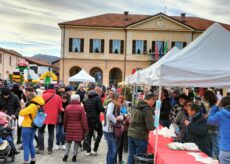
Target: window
139 46
179 44
96 46
10 61
76 45
0 58
158 48
116 46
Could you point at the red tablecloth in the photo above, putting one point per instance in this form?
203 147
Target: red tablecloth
167 156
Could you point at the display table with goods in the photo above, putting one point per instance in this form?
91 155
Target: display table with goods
169 152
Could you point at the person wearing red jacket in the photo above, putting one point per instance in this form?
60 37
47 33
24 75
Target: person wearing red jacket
52 107
75 126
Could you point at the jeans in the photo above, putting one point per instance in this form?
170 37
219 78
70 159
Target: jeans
9 139
27 142
214 138
224 157
60 134
96 125
41 137
136 146
120 147
112 148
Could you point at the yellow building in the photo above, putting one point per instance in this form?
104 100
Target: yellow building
111 46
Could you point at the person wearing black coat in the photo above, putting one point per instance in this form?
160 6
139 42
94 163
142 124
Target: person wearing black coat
93 107
81 92
9 102
165 109
197 130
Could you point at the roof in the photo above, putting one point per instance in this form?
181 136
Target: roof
56 61
38 62
121 21
12 52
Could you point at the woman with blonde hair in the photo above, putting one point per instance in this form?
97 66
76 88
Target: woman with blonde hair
113 116
28 131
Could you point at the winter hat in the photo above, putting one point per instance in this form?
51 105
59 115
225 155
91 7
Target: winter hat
67 89
5 91
50 86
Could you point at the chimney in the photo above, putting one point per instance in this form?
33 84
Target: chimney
126 13
183 15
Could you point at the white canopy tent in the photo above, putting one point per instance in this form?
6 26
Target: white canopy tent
82 76
141 76
203 63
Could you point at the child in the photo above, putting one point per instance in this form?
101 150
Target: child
5 131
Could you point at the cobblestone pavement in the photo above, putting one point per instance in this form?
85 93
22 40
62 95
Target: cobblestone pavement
57 155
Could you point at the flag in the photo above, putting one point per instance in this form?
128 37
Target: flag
166 47
156 51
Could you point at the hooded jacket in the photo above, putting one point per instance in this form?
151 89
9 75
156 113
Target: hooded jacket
11 105
93 106
31 110
75 123
197 132
53 107
141 121
222 119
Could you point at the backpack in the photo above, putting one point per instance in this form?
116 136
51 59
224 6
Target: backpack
40 117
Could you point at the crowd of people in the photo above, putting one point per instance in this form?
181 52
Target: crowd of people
75 117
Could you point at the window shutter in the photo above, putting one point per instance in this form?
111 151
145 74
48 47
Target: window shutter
153 46
173 44
134 46
91 46
122 46
82 45
102 45
110 46
145 47
184 44
70 44
163 48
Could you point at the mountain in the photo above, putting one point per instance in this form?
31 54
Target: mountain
47 58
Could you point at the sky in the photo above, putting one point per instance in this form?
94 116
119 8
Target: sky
31 26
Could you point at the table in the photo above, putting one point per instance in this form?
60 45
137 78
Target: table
168 156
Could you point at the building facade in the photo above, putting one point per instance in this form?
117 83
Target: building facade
8 62
110 46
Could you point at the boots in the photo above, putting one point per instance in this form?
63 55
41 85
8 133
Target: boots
32 162
65 158
15 151
74 159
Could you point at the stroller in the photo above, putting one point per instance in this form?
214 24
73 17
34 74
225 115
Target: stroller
5 149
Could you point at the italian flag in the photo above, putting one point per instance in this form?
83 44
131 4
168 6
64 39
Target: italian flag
166 47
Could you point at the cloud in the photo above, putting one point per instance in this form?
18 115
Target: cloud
34 22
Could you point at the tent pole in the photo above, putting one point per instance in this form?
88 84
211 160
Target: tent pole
157 128
133 94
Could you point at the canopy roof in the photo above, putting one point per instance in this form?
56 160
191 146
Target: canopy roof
203 63
82 76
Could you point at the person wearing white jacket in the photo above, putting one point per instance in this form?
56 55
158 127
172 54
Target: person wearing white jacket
113 115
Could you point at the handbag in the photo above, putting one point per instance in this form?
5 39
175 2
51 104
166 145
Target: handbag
118 130
20 120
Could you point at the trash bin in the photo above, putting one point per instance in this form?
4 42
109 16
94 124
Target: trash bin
144 158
